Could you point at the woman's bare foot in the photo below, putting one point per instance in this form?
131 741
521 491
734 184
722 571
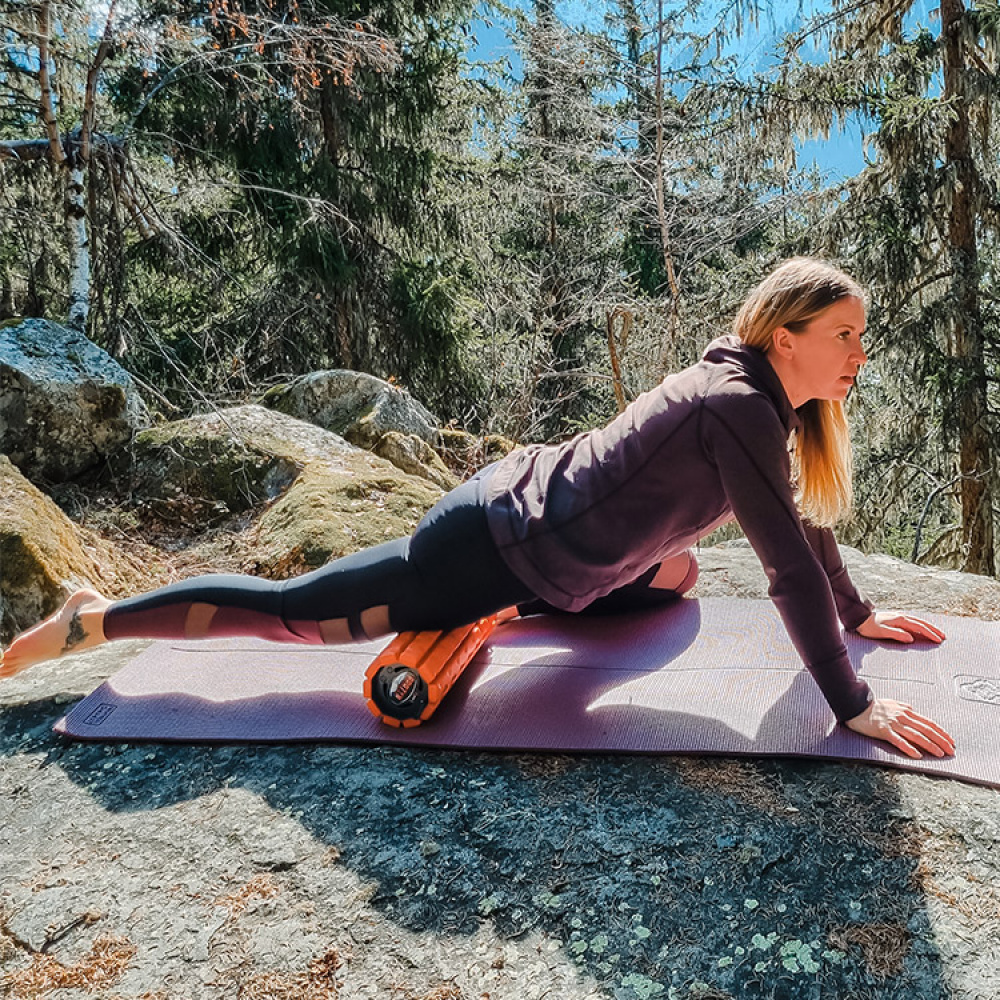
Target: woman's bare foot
77 625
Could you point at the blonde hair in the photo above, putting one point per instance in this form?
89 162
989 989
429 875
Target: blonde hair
790 296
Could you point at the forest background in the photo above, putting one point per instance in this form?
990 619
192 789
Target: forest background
227 193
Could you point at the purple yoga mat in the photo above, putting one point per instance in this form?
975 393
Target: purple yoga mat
716 676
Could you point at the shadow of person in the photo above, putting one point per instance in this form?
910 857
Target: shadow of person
636 869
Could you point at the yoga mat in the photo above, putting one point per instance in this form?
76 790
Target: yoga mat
715 676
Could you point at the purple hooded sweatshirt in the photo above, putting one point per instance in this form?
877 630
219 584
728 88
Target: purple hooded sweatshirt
576 520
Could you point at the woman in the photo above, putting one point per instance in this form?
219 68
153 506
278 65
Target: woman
606 521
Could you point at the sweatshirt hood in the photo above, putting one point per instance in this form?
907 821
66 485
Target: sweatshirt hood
730 350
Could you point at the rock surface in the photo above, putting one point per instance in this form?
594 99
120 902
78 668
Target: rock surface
355 405
240 457
41 558
64 403
307 872
732 569
45 556
322 497
415 456
332 510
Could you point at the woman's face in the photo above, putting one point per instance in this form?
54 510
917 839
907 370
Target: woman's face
823 360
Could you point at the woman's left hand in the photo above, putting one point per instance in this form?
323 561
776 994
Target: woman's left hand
898 628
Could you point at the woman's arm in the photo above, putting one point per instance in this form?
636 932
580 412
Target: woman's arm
747 443
852 608
810 589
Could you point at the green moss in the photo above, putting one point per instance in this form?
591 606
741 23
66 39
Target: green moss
327 514
274 396
39 549
18 569
179 458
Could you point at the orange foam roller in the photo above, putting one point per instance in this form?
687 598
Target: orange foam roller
407 681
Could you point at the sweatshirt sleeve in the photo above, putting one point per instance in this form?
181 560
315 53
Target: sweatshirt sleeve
746 441
852 608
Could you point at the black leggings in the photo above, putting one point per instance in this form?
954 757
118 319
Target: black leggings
448 573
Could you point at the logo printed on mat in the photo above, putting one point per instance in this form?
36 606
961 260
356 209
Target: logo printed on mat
984 689
99 714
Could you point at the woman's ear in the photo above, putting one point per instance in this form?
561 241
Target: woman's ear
783 342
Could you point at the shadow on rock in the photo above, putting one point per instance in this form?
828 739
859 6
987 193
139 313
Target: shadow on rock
752 878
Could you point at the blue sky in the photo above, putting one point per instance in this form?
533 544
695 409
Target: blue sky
841 155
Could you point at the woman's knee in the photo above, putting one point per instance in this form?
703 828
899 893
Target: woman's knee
678 573
691 577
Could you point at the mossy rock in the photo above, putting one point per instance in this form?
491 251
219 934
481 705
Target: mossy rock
469 453
240 457
417 457
320 496
41 554
332 511
356 405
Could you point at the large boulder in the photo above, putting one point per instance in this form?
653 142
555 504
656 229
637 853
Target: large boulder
64 403
358 407
335 509
41 555
321 497
238 457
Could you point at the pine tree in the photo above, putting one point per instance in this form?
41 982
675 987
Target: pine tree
915 220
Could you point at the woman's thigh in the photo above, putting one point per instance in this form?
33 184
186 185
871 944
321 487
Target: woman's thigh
462 575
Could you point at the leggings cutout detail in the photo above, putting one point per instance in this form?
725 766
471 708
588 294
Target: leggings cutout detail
358 633
198 620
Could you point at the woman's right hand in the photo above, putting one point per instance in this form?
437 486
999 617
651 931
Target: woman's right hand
899 725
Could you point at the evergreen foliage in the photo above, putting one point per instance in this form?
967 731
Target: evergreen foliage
914 224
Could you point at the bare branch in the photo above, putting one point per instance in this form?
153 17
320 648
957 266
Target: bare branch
90 92
327 50
25 149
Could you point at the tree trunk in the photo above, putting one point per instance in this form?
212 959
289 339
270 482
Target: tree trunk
8 308
79 246
975 451
661 210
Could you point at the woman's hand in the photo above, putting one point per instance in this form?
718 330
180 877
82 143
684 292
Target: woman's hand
899 628
892 721
898 724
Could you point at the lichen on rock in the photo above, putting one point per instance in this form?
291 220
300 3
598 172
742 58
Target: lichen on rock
357 406
65 404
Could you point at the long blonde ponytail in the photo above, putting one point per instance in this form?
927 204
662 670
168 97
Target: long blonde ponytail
791 296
